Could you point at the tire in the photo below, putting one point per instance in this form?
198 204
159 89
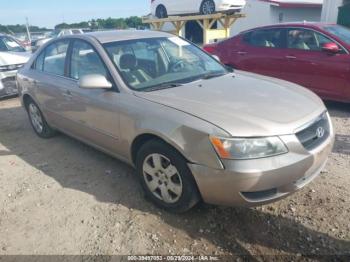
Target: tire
165 177
37 120
161 12
207 7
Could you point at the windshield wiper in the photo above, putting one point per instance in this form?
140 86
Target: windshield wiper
163 86
212 75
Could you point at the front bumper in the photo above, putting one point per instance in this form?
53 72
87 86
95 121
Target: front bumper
262 181
8 85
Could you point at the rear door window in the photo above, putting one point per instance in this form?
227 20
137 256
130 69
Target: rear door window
269 38
55 58
39 63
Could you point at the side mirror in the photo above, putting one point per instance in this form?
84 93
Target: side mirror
229 69
94 82
216 58
331 48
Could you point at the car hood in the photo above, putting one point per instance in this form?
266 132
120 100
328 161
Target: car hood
244 104
14 58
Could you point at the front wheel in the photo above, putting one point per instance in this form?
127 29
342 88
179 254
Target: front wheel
166 178
207 7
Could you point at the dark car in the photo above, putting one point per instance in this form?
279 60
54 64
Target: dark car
313 55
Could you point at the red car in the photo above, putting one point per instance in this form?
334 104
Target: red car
314 55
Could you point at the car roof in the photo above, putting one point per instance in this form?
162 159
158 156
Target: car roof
123 35
314 25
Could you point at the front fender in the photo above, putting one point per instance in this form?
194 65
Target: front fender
186 133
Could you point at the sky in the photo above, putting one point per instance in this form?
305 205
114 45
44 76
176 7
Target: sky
48 13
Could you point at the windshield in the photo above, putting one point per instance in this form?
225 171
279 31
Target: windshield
161 62
341 32
8 44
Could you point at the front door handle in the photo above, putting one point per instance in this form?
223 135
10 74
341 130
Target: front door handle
242 52
291 57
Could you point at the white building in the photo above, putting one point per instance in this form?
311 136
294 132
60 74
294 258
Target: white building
331 9
261 13
267 12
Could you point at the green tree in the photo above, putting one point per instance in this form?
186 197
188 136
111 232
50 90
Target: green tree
134 22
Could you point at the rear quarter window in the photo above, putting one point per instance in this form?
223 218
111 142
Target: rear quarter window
39 62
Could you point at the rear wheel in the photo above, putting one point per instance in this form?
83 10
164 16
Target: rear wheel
161 12
37 120
207 7
166 178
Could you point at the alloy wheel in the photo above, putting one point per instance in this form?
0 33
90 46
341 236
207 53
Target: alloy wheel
208 7
162 178
36 118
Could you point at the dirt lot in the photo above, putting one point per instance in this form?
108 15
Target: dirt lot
59 196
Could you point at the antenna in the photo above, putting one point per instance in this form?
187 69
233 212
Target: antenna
28 32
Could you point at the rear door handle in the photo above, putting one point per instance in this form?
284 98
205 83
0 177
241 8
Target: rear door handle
67 94
291 57
242 52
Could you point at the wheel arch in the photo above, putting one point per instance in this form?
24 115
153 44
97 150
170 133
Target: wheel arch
26 99
144 138
159 6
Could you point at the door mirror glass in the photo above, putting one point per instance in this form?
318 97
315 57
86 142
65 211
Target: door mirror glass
332 48
94 81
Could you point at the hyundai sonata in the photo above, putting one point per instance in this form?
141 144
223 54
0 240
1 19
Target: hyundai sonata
192 129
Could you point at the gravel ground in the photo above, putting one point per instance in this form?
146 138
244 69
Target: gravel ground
60 196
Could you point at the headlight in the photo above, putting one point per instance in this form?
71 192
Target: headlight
248 148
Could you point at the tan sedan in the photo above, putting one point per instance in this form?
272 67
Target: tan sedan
192 129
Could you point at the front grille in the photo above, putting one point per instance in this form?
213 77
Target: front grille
315 134
10 67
